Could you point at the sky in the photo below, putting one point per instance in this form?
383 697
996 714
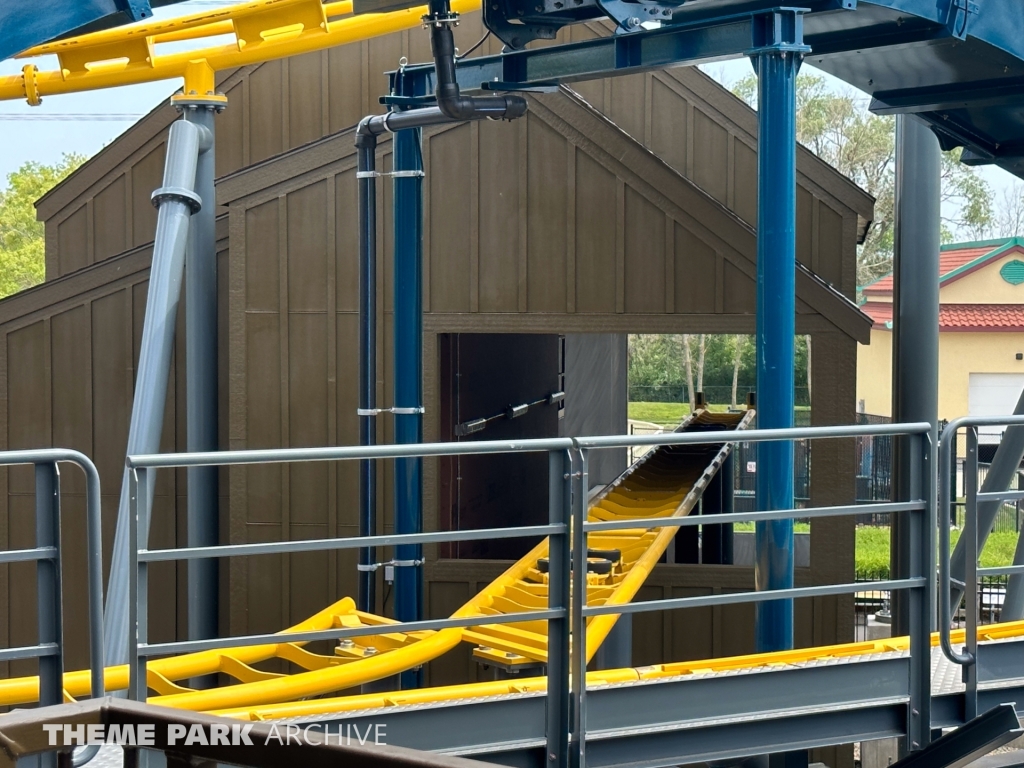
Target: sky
80 123
84 123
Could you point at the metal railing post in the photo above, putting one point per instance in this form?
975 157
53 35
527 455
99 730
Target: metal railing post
138 581
970 531
48 581
920 598
559 548
577 738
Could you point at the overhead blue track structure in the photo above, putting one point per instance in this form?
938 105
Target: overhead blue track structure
956 64
27 23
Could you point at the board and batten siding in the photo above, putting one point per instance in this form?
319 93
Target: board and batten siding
68 355
698 128
556 223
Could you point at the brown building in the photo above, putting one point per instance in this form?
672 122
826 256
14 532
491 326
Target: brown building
624 206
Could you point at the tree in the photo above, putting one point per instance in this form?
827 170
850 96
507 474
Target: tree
837 126
807 366
738 343
1009 220
22 261
688 362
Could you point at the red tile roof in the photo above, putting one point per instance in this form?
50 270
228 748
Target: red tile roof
879 311
949 260
960 317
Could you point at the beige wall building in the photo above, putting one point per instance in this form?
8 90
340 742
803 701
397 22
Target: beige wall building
981 332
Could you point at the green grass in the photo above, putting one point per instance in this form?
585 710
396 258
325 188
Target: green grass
749 527
872 557
670 414
872 553
663 414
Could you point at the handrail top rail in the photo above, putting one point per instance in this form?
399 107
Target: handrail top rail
44 456
950 430
340 453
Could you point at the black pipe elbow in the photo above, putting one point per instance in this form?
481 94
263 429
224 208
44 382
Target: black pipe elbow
366 133
475 108
451 103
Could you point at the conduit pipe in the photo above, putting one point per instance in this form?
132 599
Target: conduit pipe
446 91
175 201
452 107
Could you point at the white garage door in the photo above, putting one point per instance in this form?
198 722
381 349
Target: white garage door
993 394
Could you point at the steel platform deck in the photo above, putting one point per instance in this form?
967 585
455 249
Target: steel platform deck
693 717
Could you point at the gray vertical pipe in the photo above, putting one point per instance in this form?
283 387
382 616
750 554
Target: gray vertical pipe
560 483
915 351
176 201
1000 474
366 149
577 623
48 585
728 473
201 384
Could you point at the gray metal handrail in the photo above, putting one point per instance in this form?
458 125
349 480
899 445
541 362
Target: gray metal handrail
946 453
968 657
567 512
50 647
293 455
561 497
920 583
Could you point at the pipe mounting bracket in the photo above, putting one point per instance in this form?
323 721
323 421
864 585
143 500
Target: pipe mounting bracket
177 194
398 411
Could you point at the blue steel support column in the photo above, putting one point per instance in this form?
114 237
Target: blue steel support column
408 216
776 62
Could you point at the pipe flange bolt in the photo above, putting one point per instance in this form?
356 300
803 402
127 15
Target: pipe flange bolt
178 194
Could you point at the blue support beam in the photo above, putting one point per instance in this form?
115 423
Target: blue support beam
408 278
776 63
27 23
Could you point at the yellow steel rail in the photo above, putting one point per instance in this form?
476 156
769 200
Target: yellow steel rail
452 693
665 483
259 31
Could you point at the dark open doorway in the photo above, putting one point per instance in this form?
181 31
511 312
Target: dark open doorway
496 387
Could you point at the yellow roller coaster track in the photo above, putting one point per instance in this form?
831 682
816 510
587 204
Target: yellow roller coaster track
197 46
667 482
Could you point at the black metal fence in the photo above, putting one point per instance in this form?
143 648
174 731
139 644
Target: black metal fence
678 393
1010 514
871 607
874 461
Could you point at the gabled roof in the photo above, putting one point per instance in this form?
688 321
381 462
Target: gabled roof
606 143
956 260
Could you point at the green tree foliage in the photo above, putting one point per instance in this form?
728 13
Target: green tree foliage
22 262
657 368
837 126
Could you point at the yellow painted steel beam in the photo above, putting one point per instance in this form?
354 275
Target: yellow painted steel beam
25 690
261 31
659 482
454 693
